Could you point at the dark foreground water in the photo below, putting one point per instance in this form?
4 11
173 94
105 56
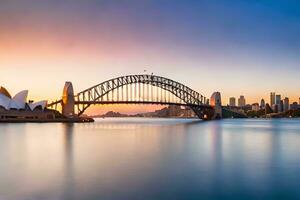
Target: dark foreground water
151 159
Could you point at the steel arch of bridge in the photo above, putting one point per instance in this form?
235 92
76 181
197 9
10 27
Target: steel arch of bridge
113 91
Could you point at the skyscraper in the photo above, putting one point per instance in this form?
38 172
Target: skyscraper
280 106
278 99
262 104
241 101
272 98
286 104
232 101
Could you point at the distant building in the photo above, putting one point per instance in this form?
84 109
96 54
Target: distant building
275 108
241 101
277 99
272 98
262 104
255 107
286 104
280 106
268 109
232 102
294 106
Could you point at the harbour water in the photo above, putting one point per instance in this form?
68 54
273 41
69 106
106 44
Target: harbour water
138 158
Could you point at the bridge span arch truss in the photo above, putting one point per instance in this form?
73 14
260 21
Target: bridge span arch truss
143 89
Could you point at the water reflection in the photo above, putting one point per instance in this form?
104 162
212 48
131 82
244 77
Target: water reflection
68 135
151 159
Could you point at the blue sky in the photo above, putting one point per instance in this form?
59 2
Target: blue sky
248 47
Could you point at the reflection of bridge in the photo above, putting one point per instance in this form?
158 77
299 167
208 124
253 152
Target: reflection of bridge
139 89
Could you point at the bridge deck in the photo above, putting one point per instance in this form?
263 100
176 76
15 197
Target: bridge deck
137 102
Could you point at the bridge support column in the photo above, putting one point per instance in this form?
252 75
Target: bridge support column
68 101
216 103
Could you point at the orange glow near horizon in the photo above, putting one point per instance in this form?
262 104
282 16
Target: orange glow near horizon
122 108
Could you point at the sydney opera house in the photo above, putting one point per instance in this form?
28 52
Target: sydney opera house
17 108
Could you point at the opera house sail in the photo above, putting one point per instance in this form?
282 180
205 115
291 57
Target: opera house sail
17 108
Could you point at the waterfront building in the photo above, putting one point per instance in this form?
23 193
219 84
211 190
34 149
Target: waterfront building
268 109
294 106
247 107
286 104
272 98
262 104
17 109
277 99
280 106
18 102
232 102
275 108
241 101
255 107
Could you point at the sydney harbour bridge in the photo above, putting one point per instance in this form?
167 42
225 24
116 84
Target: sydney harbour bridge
140 89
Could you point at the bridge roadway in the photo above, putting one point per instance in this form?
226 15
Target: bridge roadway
138 102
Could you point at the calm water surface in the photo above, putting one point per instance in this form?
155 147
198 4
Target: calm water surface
151 159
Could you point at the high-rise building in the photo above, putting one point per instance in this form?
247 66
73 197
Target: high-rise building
280 106
277 99
232 101
275 108
241 101
286 104
262 104
255 107
272 98
268 109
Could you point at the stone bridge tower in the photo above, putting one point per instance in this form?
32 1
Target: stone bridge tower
216 103
68 101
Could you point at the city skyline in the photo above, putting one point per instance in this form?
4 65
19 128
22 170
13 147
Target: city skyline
238 48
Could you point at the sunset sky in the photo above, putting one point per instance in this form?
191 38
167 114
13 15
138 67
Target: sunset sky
237 47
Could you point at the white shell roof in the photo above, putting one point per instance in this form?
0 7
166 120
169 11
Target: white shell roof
5 101
43 104
19 101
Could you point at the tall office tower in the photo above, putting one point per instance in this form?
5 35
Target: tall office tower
232 101
286 104
277 99
272 98
262 104
241 101
280 106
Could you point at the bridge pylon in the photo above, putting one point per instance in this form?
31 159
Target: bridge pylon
68 100
216 103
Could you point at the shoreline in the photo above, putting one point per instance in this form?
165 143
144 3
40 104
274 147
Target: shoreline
57 120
